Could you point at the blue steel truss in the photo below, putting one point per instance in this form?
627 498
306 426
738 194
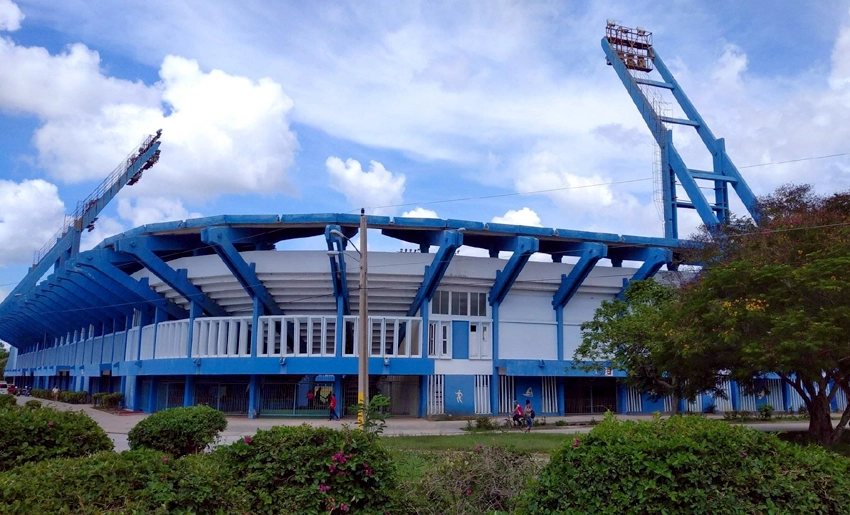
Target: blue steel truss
673 168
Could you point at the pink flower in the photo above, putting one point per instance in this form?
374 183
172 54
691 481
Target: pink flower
324 488
332 469
343 507
165 459
576 443
743 455
50 424
468 492
479 448
247 439
368 472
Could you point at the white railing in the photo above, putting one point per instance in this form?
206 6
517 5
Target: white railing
132 347
436 395
507 394
395 337
482 395
148 333
634 400
172 339
550 395
296 336
221 337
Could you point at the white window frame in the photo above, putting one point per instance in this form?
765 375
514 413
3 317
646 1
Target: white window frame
481 347
448 303
440 339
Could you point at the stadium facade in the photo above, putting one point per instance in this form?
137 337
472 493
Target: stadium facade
208 311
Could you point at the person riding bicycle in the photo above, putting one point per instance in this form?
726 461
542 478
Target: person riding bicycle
517 414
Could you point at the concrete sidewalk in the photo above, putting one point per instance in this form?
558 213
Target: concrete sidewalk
117 426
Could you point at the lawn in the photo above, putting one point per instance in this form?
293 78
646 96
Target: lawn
535 443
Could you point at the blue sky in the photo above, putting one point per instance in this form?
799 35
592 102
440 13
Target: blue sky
294 107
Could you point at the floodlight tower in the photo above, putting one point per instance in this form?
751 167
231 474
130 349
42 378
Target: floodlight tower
632 55
65 244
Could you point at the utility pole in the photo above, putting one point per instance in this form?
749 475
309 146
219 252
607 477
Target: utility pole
363 347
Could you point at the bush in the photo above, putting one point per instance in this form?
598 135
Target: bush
471 482
73 397
107 400
178 431
309 470
687 465
28 435
33 404
131 482
7 402
41 393
766 412
482 424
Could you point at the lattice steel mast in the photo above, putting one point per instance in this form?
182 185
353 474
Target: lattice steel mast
631 53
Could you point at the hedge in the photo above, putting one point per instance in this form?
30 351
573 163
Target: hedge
28 435
688 465
178 431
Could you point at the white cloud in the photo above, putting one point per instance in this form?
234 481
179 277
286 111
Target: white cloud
10 16
524 216
150 210
420 212
222 133
104 227
30 214
376 190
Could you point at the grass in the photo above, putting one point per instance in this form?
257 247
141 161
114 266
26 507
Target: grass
802 438
535 442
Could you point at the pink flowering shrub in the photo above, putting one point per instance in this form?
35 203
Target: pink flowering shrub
687 465
309 470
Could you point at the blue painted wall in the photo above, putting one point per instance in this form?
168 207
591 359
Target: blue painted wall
460 340
460 395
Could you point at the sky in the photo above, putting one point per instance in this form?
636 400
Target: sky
482 110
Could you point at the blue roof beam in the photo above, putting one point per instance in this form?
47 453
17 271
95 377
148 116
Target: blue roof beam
176 279
591 253
221 239
91 288
523 248
449 243
101 261
337 259
653 259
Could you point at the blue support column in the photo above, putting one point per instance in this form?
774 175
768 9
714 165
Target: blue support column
152 395
591 253
221 239
195 311
449 242
255 320
189 392
562 400
494 379
337 261
252 397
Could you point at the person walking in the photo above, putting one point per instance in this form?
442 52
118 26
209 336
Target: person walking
332 407
55 394
529 416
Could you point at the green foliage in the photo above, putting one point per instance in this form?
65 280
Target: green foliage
28 435
482 424
777 298
687 465
309 470
33 404
766 411
178 431
482 480
374 414
74 397
41 393
107 400
638 335
7 402
142 481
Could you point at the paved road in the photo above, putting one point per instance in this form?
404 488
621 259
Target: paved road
117 426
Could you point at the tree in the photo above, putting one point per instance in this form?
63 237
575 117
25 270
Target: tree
777 299
4 358
637 334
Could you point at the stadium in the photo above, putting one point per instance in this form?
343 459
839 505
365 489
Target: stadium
216 311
